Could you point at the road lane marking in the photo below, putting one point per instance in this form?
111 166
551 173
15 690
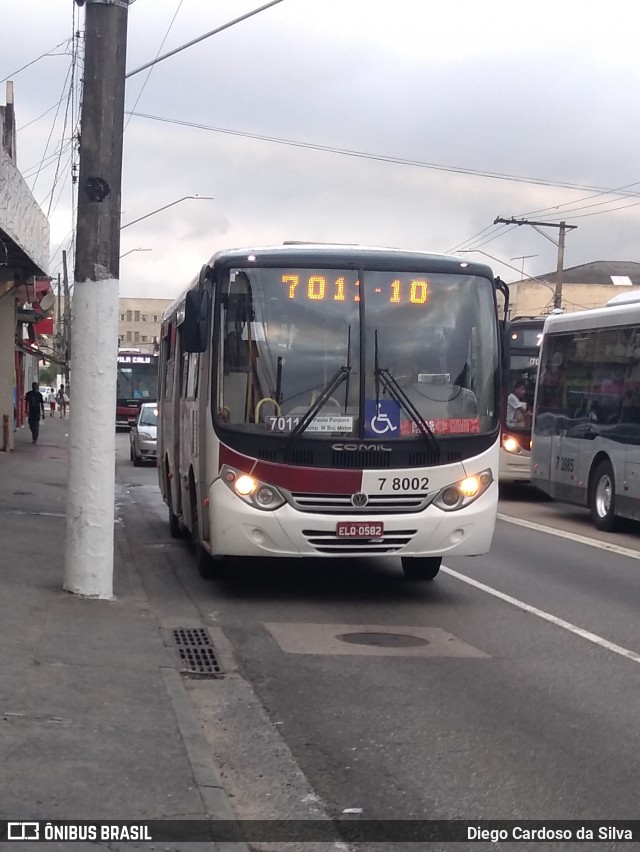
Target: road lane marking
580 539
546 616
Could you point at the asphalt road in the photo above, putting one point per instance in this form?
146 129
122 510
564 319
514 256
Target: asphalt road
512 691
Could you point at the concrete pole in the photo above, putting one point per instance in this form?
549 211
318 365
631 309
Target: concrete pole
88 567
557 295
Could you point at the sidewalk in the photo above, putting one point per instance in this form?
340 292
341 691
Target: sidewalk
95 722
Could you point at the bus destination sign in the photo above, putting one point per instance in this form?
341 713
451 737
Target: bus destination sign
134 359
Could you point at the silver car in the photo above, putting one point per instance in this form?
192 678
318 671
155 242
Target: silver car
144 435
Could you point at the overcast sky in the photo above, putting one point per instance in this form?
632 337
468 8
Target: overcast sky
545 92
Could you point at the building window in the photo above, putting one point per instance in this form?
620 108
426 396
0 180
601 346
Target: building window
121 317
121 338
136 337
155 318
128 337
137 316
144 338
129 316
143 317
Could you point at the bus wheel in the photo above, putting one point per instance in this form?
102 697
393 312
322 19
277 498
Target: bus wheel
602 500
421 567
176 530
209 567
175 527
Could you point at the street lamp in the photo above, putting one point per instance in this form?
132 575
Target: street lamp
166 206
524 257
132 250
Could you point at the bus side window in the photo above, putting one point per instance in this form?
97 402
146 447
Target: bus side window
192 379
184 378
169 363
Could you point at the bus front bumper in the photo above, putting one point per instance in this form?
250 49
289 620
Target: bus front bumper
238 529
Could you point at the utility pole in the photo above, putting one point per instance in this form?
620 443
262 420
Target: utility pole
66 338
562 229
88 565
58 332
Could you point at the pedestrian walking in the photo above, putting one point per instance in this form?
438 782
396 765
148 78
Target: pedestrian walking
34 403
51 399
63 400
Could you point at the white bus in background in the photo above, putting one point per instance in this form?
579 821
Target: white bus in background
586 432
332 401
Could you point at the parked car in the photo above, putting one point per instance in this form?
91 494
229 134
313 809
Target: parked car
144 434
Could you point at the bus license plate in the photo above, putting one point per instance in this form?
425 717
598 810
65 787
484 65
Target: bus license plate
359 529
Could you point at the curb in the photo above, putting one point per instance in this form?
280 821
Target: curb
203 766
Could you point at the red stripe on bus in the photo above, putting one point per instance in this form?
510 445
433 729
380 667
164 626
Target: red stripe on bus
315 480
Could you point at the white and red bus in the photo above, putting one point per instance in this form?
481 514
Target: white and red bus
137 383
332 401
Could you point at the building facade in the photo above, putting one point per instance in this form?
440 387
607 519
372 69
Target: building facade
589 285
24 259
139 323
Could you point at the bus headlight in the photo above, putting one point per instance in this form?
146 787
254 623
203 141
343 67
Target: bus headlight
245 485
251 490
511 444
464 492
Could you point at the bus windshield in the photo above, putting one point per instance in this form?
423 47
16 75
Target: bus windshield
138 381
523 355
294 341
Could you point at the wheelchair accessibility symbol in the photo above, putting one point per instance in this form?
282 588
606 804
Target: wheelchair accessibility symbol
381 418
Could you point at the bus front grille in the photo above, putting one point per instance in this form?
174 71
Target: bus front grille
326 541
377 504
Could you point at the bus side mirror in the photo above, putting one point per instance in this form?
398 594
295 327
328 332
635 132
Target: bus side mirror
195 327
503 288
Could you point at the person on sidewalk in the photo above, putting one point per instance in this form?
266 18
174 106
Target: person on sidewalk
52 402
35 408
62 400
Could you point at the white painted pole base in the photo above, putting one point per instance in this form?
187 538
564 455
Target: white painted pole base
88 561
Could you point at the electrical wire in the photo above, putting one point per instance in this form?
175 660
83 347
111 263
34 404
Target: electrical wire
465 242
555 209
385 158
46 112
55 119
64 128
146 79
33 61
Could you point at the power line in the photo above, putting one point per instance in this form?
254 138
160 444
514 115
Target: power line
385 158
55 119
33 61
146 79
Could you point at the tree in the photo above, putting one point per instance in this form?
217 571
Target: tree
48 375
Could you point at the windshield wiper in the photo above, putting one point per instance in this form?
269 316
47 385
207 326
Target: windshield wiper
338 378
391 386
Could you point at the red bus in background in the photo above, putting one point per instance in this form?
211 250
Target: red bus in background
522 355
137 383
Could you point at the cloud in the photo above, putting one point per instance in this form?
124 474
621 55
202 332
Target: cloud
489 87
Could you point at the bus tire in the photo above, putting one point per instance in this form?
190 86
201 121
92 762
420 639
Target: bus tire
176 530
209 567
602 497
421 567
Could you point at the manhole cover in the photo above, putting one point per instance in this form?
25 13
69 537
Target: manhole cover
383 640
196 652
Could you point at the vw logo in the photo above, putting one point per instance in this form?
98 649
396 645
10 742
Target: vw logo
359 500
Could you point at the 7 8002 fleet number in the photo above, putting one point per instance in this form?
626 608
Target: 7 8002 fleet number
403 483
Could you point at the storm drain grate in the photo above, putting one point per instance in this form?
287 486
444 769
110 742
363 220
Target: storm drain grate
196 652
